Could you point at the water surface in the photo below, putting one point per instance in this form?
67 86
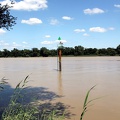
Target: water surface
78 75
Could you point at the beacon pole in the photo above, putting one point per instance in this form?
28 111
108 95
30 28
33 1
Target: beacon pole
60 54
60 62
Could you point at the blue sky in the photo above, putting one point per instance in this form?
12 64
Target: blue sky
89 23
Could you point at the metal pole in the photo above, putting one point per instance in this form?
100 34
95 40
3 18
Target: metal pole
59 53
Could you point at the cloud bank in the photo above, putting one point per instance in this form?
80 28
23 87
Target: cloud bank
79 30
97 29
54 22
32 21
53 42
118 6
67 18
93 11
2 31
28 5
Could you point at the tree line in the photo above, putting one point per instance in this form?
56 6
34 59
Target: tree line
66 51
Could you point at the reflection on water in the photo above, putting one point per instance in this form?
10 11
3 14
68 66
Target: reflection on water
78 75
60 87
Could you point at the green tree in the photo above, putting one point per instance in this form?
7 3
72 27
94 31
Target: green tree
53 52
15 53
6 19
35 52
102 52
90 51
68 51
6 53
44 52
26 53
1 54
111 51
118 49
79 50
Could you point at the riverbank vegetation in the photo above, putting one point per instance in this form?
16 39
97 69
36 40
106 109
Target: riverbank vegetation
66 51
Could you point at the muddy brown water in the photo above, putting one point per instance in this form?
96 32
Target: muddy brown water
78 75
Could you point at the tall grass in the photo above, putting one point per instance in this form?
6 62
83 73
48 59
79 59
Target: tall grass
2 83
15 109
87 102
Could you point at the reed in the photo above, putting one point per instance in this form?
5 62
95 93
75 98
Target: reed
2 83
15 109
87 102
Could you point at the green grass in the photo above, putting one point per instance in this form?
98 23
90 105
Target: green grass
86 102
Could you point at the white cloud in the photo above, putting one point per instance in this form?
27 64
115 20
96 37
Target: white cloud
79 30
47 36
93 11
118 6
54 21
63 41
27 4
15 45
47 42
19 46
97 29
53 42
111 28
24 42
2 31
4 45
10 46
85 34
32 21
4 2
67 18
1 42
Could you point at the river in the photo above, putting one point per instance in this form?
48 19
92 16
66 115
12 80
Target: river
78 75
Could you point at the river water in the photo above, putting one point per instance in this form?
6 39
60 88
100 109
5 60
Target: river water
78 75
